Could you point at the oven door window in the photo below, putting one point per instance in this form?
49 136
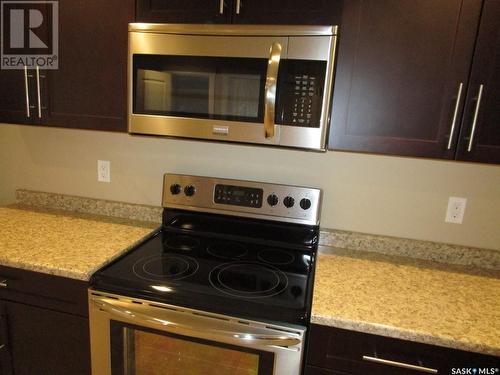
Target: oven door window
137 350
199 87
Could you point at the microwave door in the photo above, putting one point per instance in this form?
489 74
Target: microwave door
184 91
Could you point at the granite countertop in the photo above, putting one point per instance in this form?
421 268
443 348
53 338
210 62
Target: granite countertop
397 288
64 243
417 300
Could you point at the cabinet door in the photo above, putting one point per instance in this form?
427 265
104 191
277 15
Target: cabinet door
18 97
484 111
338 351
273 12
18 91
184 11
5 360
311 370
88 91
47 342
401 64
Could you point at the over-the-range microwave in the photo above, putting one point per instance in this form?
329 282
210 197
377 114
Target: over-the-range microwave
254 84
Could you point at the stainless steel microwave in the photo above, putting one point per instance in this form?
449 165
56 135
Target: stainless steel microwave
255 84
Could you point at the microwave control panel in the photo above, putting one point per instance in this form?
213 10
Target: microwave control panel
301 97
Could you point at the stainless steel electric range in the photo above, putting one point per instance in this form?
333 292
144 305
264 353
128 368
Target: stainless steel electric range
224 287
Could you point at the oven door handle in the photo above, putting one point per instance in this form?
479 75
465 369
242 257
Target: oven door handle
192 324
270 89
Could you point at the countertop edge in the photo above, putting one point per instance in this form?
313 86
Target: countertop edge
405 334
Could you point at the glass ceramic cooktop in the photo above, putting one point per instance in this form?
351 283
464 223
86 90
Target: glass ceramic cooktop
215 274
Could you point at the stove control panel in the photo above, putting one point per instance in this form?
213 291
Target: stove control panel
243 198
238 195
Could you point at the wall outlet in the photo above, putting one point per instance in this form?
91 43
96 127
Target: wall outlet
103 171
456 210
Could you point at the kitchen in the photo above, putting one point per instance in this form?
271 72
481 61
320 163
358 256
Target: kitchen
363 193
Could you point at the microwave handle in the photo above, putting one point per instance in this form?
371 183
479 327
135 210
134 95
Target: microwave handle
270 89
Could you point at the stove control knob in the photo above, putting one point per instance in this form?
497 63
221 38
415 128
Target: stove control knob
288 202
272 200
175 189
189 190
305 203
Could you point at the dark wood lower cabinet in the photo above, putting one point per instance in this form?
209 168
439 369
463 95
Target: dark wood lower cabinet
47 342
334 351
311 370
5 358
44 327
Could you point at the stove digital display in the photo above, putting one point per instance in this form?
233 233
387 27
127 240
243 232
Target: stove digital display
238 196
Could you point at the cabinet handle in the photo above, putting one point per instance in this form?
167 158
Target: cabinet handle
221 6
474 121
2 346
381 361
270 89
39 97
3 284
26 91
455 114
238 6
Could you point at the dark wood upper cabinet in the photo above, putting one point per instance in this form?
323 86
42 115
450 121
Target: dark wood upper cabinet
18 90
400 67
287 12
272 12
88 90
184 11
17 97
484 81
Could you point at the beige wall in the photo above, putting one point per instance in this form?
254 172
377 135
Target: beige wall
373 194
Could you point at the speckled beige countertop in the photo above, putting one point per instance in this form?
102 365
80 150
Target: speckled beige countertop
417 296
418 300
63 243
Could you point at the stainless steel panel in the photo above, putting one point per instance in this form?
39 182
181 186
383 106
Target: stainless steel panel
320 48
207 45
251 30
286 343
310 47
251 41
203 199
201 128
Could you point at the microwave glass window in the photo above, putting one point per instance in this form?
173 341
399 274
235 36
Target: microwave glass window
203 87
143 351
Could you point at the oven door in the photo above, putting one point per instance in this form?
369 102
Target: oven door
133 336
204 86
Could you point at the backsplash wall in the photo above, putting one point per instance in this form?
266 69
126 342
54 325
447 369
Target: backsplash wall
366 193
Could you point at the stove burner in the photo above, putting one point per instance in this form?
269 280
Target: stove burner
185 243
165 267
248 279
227 250
275 256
